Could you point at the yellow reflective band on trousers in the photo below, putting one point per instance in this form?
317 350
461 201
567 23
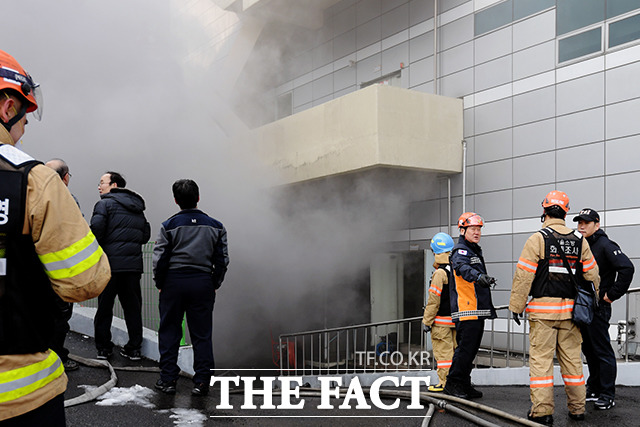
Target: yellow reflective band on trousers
19 382
73 260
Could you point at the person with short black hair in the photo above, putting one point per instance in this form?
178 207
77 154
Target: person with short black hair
119 223
190 260
616 273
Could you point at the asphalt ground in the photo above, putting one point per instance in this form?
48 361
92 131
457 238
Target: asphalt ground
183 409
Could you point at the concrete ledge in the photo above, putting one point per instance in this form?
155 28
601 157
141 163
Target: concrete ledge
82 322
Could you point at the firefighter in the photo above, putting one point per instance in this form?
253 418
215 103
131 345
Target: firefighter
470 304
437 313
45 246
541 274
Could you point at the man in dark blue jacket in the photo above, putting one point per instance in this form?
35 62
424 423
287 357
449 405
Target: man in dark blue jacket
190 260
616 273
121 228
471 303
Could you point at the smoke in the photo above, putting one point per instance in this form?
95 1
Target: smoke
123 93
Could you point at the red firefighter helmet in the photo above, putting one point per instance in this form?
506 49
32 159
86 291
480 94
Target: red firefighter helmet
13 76
470 218
556 198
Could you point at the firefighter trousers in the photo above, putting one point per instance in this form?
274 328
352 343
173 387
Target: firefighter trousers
563 338
443 340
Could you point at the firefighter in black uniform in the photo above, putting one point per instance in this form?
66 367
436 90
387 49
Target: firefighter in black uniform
616 273
470 304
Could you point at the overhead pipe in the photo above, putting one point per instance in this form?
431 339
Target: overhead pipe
435 47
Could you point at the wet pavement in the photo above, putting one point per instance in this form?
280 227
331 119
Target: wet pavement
147 406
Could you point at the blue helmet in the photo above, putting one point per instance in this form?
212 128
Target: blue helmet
441 243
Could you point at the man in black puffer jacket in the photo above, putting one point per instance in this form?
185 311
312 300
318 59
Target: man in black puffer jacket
121 228
616 273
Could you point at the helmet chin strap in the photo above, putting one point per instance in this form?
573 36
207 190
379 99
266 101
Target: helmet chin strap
15 119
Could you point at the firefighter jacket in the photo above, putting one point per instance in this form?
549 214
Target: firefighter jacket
469 301
45 246
547 280
438 309
616 269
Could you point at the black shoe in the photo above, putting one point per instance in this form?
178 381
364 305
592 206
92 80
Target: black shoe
577 417
104 354
592 397
131 354
200 389
71 365
455 390
472 392
168 387
546 420
605 403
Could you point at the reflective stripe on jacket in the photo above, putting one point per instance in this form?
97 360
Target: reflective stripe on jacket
438 308
532 256
19 382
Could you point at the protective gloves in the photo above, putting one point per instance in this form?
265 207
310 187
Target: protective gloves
485 281
426 328
516 317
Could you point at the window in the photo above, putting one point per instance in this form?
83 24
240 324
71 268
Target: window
618 7
572 15
524 8
493 17
624 30
580 44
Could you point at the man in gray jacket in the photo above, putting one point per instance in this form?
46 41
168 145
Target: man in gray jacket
190 260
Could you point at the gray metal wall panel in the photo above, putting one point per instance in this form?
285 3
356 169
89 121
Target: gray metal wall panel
421 72
494 146
323 54
456 59
391 58
534 170
456 85
526 201
533 31
627 238
496 248
368 69
455 33
419 11
367 10
495 206
344 21
468 119
623 155
494 176
535 105
368 33
421 47
395 20
322 87
579 128
388 5
493 73
534 60
424 214
623 83
580 94
344 77
493 45
534 137
617 190
493 116
622 119
585 193
302 95
580 162
344 44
